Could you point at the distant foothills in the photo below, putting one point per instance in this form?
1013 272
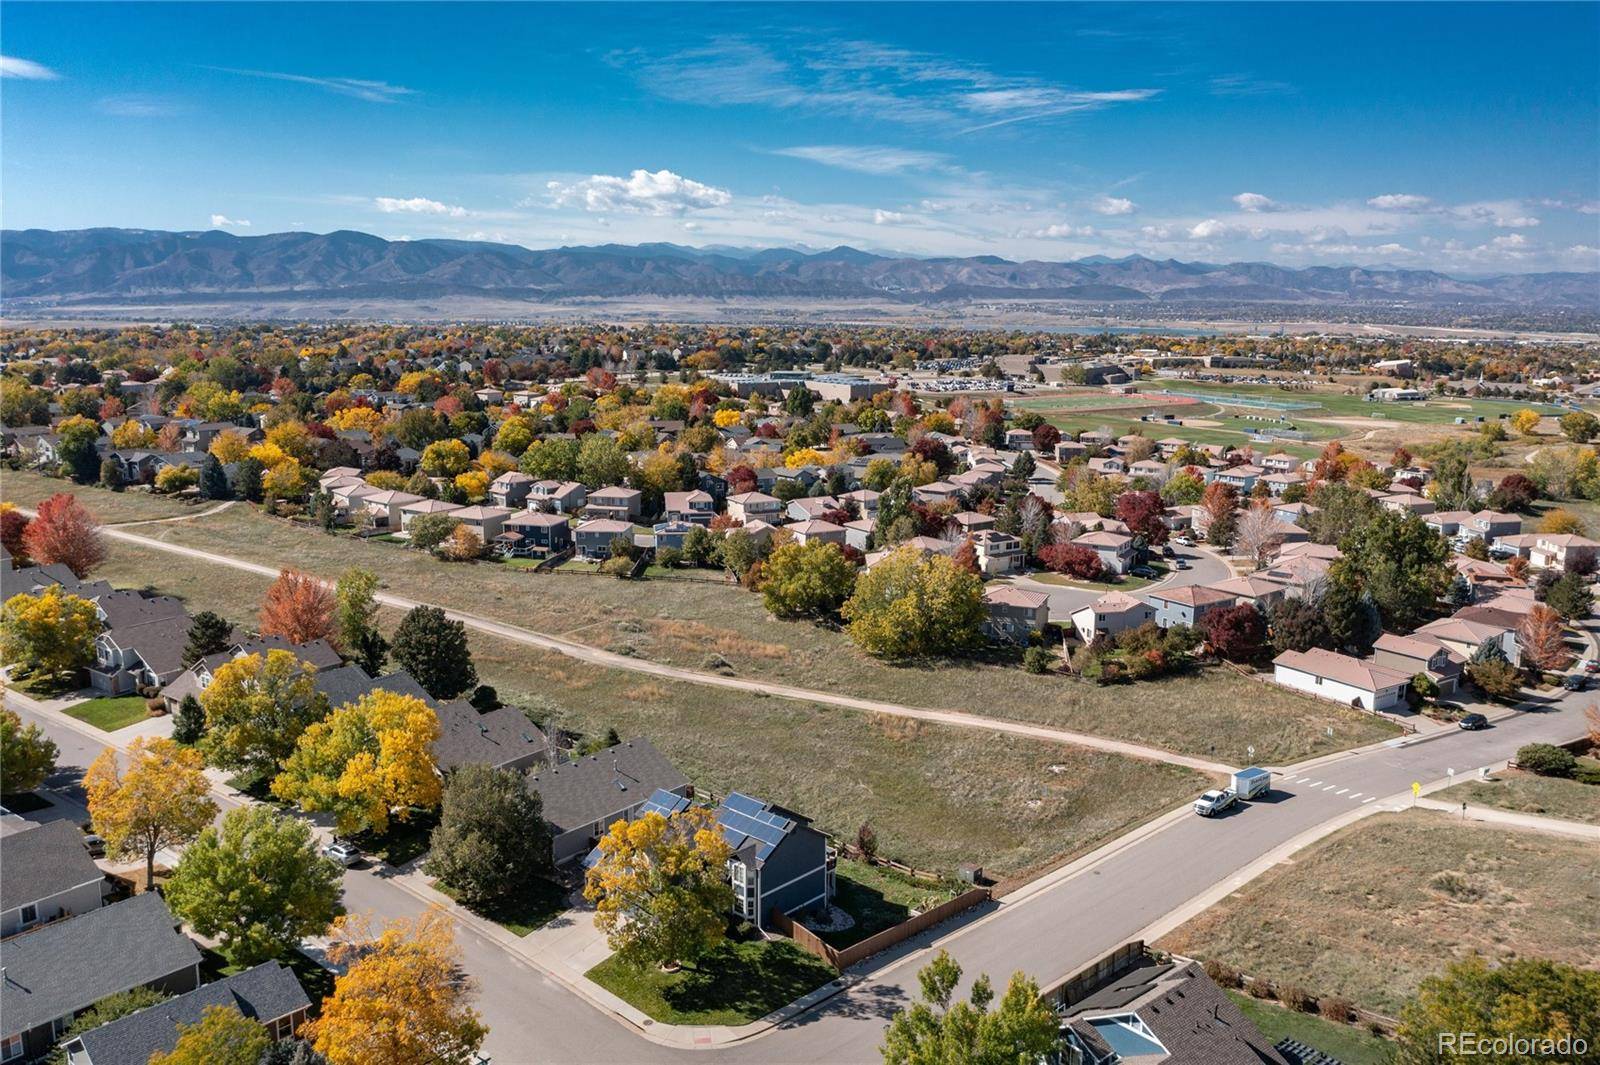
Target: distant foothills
44 268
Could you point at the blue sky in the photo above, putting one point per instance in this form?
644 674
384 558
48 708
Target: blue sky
1459 137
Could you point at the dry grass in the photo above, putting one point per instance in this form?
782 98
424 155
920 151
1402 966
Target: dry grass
26 489
936 795
1528 793
1211 714
1375 908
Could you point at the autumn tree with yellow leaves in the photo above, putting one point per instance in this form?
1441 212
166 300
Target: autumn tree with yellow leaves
402 998
660 888
367 761
256 708
162 799
49 635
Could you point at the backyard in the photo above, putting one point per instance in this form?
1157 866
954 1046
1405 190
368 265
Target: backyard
1351 1045
878 898
688 623
735 984
1375 908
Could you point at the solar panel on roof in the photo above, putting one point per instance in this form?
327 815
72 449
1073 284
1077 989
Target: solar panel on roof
665 803
743 804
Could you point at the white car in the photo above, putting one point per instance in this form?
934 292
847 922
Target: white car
1589 665
346 854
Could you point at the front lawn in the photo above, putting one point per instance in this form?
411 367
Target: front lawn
538 903
1528 793
110 714
1352 1046
877 898
737 984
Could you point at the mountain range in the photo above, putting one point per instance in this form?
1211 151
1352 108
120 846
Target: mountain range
131 266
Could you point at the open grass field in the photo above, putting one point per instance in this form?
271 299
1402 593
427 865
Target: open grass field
110 714
26 489
1373 909
737 984
1528 793
1233 432
936 795
683 623
1349 1044
1335 403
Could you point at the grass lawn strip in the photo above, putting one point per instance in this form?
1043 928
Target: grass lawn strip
540 902
1350 1045
737 984
110 713
1373 909
681 623
1528 793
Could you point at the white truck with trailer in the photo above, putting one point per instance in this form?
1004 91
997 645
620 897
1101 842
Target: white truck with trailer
1246 784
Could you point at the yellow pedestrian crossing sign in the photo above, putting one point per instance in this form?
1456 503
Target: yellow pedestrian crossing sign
1416 789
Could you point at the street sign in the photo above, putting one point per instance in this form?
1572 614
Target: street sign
1416 789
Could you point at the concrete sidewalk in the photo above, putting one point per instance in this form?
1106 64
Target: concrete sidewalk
1511 819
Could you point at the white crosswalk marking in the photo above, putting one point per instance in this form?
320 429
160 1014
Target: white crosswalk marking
1357 795
1341 791
1368 799
1330 787
1315 783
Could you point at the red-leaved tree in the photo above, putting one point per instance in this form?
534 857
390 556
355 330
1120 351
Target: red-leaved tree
64 531
1144 515
1045 438
1072 560
298 607
1237 633
13 523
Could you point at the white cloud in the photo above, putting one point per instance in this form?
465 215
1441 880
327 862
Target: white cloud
865 159
27 69
137 105
642 192
1255 202
691 226
374 92
1114 205
1210 229
889 218
222 221
1063 229
417 205
1399 201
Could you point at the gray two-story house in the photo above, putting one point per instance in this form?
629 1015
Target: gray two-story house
47 875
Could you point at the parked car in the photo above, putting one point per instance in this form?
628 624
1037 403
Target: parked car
1166 551
1214 802
1183 541
1181 563
94 845
1575 682
1473 722
346 854
1144 572
1589 665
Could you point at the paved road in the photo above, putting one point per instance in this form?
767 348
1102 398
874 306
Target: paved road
1142 884
597 656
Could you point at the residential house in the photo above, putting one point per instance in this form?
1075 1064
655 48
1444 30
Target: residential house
817 529
1562 551
923 545
1156 1011
1015 614
1115 549
1420 654
1242 478
1346 680
1293 513
1188 605
615 503
1447 523
998 553
502 738
971 521
511 489
582 799
533 534
670 535
937 492
557 497
1112 613
1259 589
57 970
1407 503
410 512
1492 524
1067 450
1279 462
696 507
1520 545
858 534
1279 483
1466 636
1019 439
487 522
755 506
1151 470
1107 466
810 507
48 875
269 994
593 538
385 509
865 500
128 657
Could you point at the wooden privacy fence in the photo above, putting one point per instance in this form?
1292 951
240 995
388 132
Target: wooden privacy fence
810 942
